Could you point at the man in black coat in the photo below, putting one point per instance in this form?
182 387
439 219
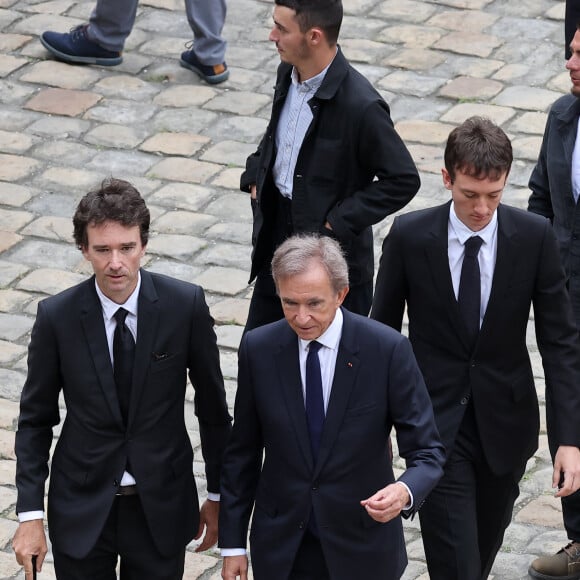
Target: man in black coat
118 347
555 186
330 162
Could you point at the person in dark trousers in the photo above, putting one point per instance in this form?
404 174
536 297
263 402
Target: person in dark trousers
555 185
330 161
468 272
101 41
318 395
118 347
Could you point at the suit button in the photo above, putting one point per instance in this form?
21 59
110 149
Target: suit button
315 486
115 483
301 525
465 400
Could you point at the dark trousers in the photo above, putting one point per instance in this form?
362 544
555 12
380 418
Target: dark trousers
464 518
571 503
309 563
127 536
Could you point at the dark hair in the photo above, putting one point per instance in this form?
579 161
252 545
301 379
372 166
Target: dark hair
115 200
479 148
324 14
296 254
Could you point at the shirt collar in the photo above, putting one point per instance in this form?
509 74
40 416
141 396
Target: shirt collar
463 233
330 337
110 307
312 84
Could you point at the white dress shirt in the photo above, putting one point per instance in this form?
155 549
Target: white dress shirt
458 234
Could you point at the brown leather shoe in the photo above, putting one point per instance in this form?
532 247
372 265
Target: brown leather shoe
565 565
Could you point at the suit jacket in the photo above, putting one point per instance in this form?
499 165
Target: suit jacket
377 385
551 185
496 374
350 141
68 352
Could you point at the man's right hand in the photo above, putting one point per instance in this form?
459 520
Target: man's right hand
30 540
253 191
234 567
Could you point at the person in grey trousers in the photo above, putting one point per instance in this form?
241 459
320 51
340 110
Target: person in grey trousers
101 41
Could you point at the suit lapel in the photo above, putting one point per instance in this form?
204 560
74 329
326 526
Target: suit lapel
504 266
94 329
147 323
345 373
438 261
288 366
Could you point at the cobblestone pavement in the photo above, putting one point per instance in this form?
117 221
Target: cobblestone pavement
183 143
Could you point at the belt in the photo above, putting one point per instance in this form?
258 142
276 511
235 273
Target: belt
124 490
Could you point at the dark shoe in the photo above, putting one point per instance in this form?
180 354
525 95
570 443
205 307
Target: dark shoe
212 74
565 565
75 47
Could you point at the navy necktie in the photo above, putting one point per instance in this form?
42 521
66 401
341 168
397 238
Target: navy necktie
123 359
314 398
469 296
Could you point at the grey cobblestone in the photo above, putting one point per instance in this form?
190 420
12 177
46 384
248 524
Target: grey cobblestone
184 144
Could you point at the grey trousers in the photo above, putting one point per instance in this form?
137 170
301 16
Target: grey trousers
112 21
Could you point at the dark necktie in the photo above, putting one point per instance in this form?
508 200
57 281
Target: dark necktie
469 296
123 359
314 399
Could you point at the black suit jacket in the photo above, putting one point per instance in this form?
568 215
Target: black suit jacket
68 352
496 374
377 385
350 141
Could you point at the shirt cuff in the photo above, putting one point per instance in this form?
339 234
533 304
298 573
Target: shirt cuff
29 516
411 500
213 496
233 552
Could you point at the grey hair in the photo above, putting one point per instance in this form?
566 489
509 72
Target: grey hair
294 255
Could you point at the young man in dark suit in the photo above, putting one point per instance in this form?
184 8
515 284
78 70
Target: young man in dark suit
468 272
318 395
118 347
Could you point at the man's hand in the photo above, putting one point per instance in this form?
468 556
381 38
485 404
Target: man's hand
208 519
566 477
387 503
235 567
253 191
30 540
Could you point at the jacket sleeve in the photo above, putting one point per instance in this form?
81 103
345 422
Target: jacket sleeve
39 413
391 284
210 400
250 176
381 153
242 461
540 200
417 436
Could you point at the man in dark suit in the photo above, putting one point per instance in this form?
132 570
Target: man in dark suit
555 185
119 347
468 313
319 393
330 161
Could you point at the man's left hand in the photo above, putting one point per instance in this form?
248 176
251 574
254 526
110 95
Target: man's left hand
566 475
387 503
208 519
